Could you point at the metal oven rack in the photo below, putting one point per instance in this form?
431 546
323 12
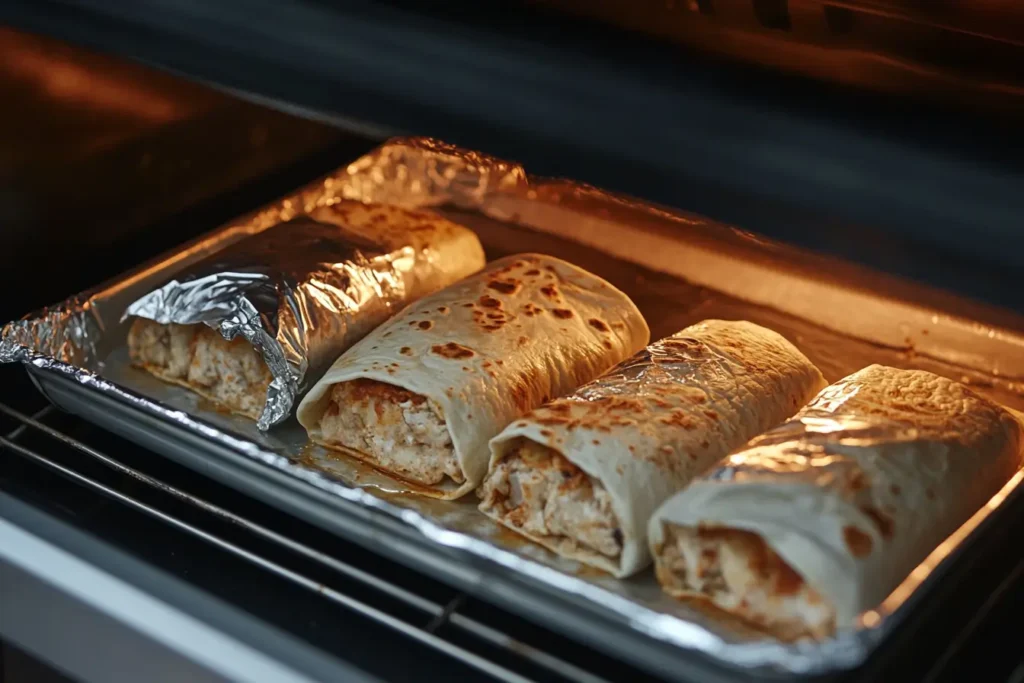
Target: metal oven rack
324 593
138 573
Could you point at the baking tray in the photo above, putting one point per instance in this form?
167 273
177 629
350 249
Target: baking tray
678 269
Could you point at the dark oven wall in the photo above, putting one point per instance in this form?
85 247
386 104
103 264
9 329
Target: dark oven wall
925 187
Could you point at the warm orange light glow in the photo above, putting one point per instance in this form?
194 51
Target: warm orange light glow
63 78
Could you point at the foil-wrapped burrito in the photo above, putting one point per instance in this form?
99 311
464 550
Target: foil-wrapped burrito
818 520
583 474
253 325
422 395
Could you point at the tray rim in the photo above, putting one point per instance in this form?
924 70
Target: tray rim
432 535
587 620
404 543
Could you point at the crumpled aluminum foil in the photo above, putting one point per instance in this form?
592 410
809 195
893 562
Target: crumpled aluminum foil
275 288
80 339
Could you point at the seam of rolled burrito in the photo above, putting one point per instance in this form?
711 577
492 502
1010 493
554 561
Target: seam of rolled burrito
851 495
322 308
640 433
486 350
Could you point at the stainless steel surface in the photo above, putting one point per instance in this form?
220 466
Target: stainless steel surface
88 607
841 318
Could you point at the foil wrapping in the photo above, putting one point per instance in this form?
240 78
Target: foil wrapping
278 289
82 340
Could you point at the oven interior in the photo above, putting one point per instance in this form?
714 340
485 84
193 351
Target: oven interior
109 163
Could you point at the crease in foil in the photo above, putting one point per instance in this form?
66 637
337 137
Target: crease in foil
67 332
80 338
665 361
276 289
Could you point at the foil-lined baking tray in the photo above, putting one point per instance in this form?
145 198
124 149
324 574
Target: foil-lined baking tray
678 269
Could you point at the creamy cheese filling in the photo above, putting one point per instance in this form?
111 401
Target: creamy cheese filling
739 573
397 430
230 373
538 492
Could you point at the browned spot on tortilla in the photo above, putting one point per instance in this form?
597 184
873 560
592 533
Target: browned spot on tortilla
546 432
712 415
522 341
504 286
549 291
489 302
882 521
442 309
500 362
386 334
559 409
598 324
426 324
452 350
532 309
700 398
405 351
857 541
465 369
704 444
552 420
596 442
520 424
531 272
678 418
363 389
495 316
563 313
606 344
469 305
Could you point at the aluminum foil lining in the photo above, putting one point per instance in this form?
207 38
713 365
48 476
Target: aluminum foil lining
275 289
83 339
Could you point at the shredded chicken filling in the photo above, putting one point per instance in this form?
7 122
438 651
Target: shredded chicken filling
539 492
230 373
397 430
739 573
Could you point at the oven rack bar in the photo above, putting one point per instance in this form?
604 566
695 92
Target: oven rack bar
436 615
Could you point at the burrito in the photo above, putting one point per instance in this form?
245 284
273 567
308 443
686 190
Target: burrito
421 396
820 519
583 474
252 326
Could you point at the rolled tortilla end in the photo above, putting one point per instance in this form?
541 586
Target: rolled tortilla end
819 520
739 573
582 475
538 492
393 429
421 396
229 373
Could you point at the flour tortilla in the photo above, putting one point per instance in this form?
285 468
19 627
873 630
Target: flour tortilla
852 494
490 348
645 429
